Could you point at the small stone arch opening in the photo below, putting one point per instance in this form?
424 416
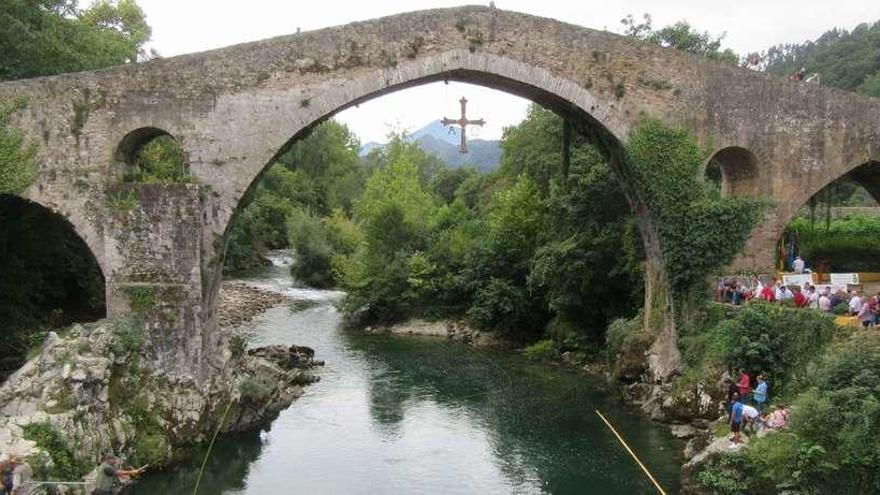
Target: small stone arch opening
734 171
151 155
49 278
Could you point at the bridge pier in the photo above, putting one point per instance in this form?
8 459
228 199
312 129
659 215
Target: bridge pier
163 270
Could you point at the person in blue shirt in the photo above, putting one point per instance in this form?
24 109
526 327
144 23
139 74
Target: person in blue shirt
736 418
760 394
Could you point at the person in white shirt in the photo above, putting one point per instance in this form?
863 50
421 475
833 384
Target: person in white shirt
798 265
855 304
825 303
750 417
783 294
813 298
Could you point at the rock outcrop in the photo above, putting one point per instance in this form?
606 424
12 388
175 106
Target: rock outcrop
91 389
455 330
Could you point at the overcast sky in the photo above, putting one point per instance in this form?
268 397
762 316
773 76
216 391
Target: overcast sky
185 26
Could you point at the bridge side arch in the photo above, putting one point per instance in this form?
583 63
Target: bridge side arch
739 169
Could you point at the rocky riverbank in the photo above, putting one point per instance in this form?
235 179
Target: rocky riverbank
454 330
92 389
240 303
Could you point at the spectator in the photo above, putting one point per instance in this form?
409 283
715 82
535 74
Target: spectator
750 419
760 395
874 304
732 392
735 421
866 317
855 304
778 418
797 265
744 385
836 299
778 291
825 303
768 294
784 294
800 300
812 297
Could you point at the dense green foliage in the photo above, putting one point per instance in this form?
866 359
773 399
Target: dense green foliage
832 443
160 160
699 232
64 465
845 59
515 251
847 244
318 176
521 251
45 37
762 338
18 167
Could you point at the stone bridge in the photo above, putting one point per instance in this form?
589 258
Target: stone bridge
235 109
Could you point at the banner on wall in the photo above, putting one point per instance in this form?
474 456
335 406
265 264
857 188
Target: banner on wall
844 279
830 289
800 279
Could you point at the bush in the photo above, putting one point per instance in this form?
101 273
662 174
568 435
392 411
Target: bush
161 160
627 342
841 411
65 466
542 350
773 340
150 448
833 442
308 238
841 309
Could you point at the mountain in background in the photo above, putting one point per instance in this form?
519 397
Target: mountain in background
435 139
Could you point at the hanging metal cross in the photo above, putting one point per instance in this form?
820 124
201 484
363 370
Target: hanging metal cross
463 122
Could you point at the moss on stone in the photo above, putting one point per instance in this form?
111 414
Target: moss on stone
64 464
141 298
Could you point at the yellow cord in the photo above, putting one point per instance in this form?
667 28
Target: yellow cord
211 446
648 473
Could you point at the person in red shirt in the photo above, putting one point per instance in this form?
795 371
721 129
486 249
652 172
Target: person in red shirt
744 384
800 300
768 294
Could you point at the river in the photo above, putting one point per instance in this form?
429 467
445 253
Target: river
408 415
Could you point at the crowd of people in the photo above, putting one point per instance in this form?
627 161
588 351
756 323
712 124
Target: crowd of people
747 407
825 298
747 399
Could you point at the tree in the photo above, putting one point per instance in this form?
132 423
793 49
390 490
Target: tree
845 59
680 36
45 37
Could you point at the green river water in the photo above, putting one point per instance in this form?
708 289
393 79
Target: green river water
413 415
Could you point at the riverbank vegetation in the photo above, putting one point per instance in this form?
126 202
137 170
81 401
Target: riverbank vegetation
831 444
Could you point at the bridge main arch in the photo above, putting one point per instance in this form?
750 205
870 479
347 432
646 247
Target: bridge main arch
588 114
